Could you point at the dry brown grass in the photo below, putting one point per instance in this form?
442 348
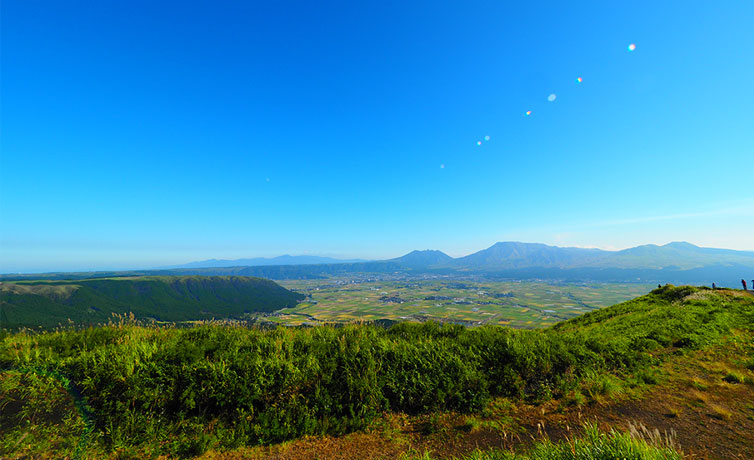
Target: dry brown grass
720 413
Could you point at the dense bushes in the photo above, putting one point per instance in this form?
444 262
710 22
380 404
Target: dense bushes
240 386
184 390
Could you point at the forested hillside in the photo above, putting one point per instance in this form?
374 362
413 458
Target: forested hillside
164 298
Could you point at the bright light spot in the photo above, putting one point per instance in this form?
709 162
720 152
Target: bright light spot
528 112
552 97
486 138
631 47
442 166
579 80
478 142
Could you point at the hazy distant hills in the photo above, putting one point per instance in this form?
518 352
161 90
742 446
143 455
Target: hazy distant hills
266 261
678 255
516 255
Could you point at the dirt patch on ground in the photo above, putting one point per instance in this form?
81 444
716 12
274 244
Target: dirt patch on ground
708 417
351 447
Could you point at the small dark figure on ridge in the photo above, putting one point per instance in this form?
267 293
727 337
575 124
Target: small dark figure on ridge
713 286
744 283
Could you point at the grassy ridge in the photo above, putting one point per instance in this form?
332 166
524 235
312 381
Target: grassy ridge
165 298
181 391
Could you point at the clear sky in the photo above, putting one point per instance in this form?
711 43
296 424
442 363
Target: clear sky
146 133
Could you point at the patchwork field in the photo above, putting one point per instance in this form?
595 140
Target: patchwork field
514 304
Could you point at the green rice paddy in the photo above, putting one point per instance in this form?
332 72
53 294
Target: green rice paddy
522 304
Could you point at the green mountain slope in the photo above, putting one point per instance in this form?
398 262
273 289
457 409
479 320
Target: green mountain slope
164 298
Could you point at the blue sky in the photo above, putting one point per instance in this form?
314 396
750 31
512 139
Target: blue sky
141 133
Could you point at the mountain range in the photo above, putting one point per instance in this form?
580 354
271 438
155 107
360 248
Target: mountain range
675 263
677 255
517 255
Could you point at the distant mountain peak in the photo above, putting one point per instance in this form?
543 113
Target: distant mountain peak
681 245
426 251
423 258
516 254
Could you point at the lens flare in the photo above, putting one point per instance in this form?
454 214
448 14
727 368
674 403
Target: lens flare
631 47
478 142
486 138
527 113
442 166
552 97
579 80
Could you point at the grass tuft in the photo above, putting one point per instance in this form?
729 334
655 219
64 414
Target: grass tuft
720 412
733 377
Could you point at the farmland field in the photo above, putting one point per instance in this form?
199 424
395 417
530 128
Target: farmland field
522 304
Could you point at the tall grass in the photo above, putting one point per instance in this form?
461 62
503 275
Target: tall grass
637 444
